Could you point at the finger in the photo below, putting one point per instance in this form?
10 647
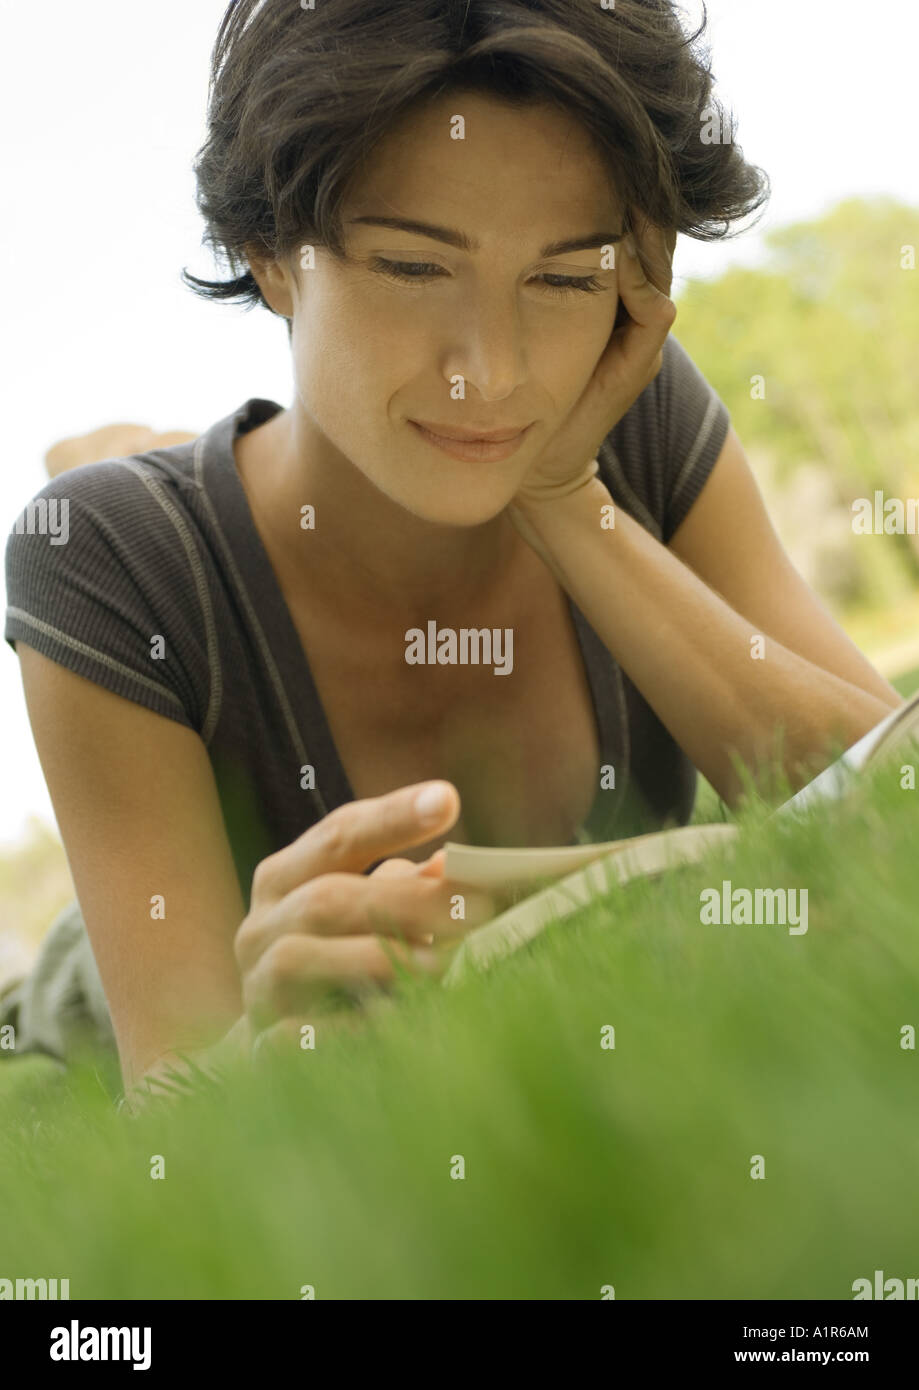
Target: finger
635 349
406 907
641 276
655 247
353 836
400 868
399 905
394 868
298 974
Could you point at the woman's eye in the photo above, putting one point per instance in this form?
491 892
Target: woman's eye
589 284
406 270
422 270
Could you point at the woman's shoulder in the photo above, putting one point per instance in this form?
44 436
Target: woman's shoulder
137 495
102 569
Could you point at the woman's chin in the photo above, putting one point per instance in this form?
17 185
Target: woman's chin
458 512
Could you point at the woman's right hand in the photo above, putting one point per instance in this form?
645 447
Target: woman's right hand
318 924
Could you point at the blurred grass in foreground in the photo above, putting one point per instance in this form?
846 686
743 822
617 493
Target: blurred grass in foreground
583 1166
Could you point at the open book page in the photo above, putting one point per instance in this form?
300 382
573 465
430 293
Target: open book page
642 856
487 868
475 866
576 874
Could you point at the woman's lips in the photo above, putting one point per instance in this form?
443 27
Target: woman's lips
473 450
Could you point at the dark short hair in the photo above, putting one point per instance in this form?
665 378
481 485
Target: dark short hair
298 97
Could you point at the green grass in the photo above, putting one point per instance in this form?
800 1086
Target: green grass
584 1166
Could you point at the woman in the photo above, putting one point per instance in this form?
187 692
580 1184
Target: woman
220 662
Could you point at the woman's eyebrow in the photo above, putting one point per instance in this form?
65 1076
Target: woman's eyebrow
465 243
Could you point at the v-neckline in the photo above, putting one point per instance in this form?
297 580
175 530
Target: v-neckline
284 646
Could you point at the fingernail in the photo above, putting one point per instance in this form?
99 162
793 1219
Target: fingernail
630 247
432 802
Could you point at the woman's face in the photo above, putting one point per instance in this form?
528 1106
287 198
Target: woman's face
373 351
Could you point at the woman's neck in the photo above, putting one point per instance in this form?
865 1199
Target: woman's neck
367 554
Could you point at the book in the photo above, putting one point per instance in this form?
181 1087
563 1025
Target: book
545 885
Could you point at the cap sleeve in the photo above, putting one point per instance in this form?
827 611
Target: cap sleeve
95 574
657 458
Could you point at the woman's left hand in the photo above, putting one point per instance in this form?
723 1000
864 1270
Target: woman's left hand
630 362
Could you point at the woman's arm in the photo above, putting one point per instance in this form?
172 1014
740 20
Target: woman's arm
694 659
138 811
728 539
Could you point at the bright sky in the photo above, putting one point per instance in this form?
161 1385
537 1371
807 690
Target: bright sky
102 110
